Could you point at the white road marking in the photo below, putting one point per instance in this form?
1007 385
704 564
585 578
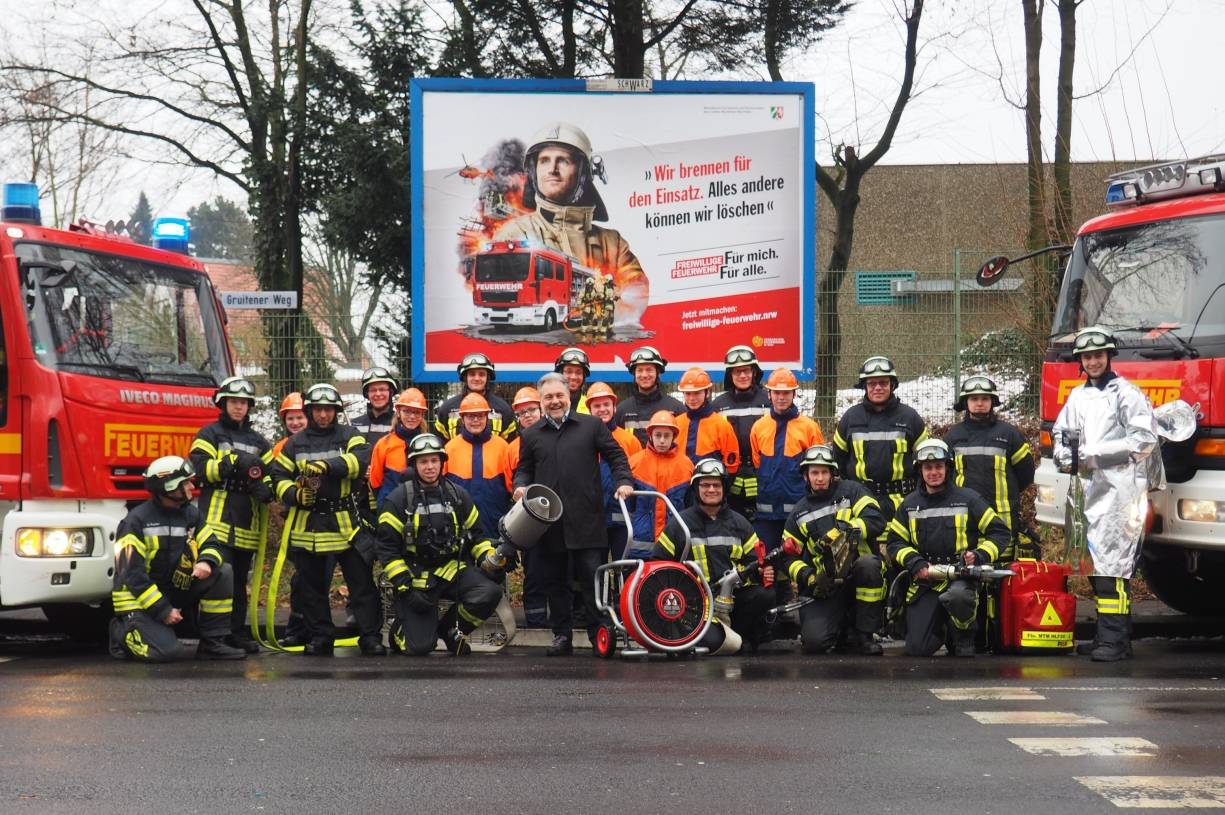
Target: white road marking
1139 688
1097 746
7 659
976 694
1159 791
1053 717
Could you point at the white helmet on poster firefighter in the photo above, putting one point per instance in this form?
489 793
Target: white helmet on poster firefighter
589 167
737 356
473 362
977 386
167 474
235 387
378 373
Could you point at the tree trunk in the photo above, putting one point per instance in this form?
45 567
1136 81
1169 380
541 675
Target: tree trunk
1036 236
829 288
1063 122
628 36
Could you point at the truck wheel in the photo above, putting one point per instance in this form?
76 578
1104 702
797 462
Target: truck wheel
550 320
81 622
1165 571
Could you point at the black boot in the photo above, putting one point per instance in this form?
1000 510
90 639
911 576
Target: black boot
371 646
867 645
561 647
1113 638
961 643
244 641
320 647
456 641
210 648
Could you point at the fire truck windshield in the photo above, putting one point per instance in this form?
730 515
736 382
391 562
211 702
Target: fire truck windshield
1162 275
121 318
512 266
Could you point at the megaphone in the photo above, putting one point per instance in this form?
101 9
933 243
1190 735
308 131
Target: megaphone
526 523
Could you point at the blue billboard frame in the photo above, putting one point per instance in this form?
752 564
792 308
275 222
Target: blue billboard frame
419 87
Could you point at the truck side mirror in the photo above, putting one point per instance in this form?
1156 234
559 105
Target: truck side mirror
990 272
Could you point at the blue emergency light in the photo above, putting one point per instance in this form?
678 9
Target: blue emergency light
21 203
172 234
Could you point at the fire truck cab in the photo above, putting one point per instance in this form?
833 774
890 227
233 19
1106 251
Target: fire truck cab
517 284
1153 271
109 354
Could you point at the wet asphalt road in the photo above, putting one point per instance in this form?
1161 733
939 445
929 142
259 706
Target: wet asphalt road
520 733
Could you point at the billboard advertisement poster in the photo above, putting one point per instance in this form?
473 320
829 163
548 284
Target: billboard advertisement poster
547 214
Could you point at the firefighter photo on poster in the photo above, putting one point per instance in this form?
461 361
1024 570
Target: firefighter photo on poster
549 216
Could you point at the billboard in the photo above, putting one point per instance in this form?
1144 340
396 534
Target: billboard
557 213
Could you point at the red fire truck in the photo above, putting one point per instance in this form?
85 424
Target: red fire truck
1153 270
109 354
517 284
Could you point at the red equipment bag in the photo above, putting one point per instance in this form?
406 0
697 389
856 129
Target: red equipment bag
1037 612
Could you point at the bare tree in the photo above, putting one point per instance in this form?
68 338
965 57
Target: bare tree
841 185
71 161
336 296
219 91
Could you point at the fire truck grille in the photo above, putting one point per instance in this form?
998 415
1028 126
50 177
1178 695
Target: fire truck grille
499 296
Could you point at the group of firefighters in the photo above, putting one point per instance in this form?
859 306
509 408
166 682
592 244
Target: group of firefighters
762 491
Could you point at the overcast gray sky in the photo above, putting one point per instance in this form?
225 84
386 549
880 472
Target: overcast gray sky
1149 68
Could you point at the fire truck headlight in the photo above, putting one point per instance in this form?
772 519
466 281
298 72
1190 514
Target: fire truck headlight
1190 509
1046 495
35 542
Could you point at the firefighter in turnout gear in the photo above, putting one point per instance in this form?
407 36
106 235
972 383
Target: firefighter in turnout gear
232 462
646 366
477 373
993 458
778 441
703 432
1119 458
742 403
941 523
574 365
566 206
875 439
387 460
378 388
589 312
722 539
315 475
829 542
167 561
431 548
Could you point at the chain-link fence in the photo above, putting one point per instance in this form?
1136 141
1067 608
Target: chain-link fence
937 326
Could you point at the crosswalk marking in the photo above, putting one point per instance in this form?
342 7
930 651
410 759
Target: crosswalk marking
1093 746
1053 717
1159 791
978 694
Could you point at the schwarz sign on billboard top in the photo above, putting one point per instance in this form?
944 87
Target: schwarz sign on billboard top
548 214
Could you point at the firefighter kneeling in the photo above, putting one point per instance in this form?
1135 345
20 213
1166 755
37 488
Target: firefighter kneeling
828 540
726 548
161 568
934 525
430 547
